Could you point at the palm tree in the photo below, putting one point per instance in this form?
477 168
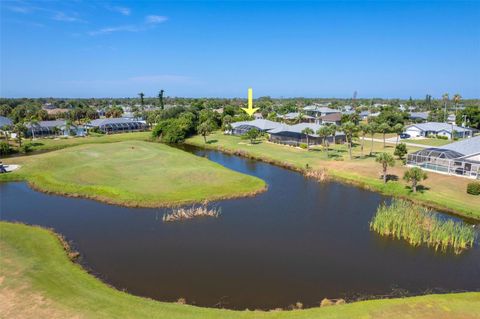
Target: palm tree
142 101
33 123
456 99
160 98
398 128
307 131
372 129
386 160
205 128
445 100
383 128
349 128
363 129
324 132
414 175
20 130
299 117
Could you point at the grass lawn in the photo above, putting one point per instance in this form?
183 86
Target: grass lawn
429 141
441 191
132 173
37 280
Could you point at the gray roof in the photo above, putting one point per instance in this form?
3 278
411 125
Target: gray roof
261 124
294 115
320 109
298 128
437 127
467 146
115 120
5 121
48 124
419 115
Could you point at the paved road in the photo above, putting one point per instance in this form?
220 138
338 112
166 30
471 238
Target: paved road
393 140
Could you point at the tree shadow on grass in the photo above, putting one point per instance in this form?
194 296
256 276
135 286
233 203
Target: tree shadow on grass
212 141
391 177
35 144
420 189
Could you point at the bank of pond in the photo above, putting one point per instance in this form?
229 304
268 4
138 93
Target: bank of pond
300 241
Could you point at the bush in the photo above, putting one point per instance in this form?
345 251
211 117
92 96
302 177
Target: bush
26 148
303 145
473 188
400 150
441 137
5 148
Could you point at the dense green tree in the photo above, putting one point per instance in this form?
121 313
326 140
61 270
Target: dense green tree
205 128
414 175
400 150
385 160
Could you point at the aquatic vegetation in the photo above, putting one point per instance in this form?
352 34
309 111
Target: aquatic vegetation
320 175
418 225
183 213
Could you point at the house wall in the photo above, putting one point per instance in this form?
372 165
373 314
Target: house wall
414 132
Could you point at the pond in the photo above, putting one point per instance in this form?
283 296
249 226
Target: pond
299 241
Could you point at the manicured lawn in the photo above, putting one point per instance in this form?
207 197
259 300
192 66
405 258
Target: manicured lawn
132 173
37 280
442 191
429 141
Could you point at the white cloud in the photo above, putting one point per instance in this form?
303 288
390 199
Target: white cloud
20 9
108 30
61 16
154 19
122 10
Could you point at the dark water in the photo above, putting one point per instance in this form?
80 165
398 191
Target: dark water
300 241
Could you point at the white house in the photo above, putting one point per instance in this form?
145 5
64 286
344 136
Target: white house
437 129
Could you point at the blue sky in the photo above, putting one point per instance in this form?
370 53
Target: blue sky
219 49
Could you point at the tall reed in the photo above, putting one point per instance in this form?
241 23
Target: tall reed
191 212
418 225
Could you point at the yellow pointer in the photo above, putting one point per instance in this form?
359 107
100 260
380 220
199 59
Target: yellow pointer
250 110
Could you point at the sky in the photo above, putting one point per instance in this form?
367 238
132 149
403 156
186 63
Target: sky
391 49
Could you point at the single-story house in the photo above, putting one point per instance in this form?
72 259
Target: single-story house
117 125
438 129
332 118
460 158
363 115
294 116
5 122
57 127
419 116
292 135
240 128
258 116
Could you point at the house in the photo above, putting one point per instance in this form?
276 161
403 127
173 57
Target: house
364 115
258 116
332 118
419 116
117 125
5 122
317 111
295 116
240 128
438 129
57 127
292 135
460 158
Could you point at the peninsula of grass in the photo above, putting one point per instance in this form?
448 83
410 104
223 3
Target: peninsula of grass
38 280
419 226
132 173
443 192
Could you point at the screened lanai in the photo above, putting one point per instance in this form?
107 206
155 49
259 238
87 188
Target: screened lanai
444 161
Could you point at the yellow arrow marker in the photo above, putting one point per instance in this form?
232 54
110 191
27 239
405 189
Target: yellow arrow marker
250 110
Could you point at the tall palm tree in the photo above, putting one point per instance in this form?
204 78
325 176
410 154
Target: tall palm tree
372 129
307 131
324 132
363 129
299 117
349 128
456 99
142 100
398 128
445 98
20 130
160 98
33 124
383 128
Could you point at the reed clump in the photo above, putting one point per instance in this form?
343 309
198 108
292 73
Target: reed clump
419 225
183 213
320 175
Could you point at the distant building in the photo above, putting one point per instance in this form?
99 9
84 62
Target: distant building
438 129
419 116
461 158
294 117
332 118
258 116
117 125
317 111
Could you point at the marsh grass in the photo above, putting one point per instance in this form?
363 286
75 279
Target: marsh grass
418 225
183 213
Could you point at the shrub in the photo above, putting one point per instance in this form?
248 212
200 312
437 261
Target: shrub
401 150
303 145
473 188
26 148
5 148
441 137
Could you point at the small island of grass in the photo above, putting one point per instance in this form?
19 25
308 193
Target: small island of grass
132 173
417 225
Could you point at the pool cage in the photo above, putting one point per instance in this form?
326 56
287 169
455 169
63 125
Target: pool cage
444 161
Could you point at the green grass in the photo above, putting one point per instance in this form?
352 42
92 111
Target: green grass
132 173
439 191
37 280
429 141
417 225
